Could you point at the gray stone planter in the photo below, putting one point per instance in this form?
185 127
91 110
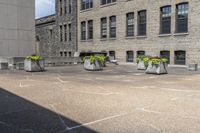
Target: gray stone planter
193 67
157 69
96 66
34 66
141 65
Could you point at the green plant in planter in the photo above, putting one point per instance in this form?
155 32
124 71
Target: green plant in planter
143 58
34 58
99 58
157 60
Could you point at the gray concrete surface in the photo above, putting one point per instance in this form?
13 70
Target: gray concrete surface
119 99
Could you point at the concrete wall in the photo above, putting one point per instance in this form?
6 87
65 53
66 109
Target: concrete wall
152 43
17 28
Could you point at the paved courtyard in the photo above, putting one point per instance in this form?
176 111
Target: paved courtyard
119 99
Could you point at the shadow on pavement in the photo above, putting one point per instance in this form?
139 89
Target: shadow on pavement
18 115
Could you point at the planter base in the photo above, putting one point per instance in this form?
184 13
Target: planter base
92 67
141 65
156 69
34 66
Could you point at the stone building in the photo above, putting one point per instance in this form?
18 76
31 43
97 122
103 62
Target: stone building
128 28
56 34
17 28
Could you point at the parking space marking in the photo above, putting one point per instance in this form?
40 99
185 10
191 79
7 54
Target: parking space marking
62 81
148 111
177 90
97 121
60 118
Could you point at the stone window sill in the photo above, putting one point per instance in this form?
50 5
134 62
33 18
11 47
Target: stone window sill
106 5
103 39
141 37
164 35
181 34
129 37
86 10
112 39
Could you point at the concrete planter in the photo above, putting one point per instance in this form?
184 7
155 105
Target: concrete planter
141 65
3 65
193 67
96 66
34 66
156 69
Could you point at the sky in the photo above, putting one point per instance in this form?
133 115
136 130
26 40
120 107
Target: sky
44 8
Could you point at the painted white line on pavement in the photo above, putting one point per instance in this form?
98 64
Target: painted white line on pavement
97 121
60 80
148 111
60 118
177 90
24 86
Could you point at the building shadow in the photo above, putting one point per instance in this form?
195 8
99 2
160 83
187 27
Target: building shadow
18 115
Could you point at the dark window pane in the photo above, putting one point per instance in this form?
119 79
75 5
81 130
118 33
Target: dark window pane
182 18
103 28
142 23
83 30
165 54
130 56
90 29
165 24
130 24
113 27
140 53
180 57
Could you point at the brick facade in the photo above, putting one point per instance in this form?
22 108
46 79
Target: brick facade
153 42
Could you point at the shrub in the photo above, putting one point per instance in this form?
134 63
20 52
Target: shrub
154 60
157 60
100 58
33 58
143 58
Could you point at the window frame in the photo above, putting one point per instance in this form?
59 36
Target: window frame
130 26
142 25
184 17
165 19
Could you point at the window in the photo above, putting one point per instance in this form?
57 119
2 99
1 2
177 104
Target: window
60 7
165 20
180 57
65 32
70 54
112 55
142 23
61 53
51 33
65 9
86 4
70 7
130 56
130 24
61 35
182 18
70 32
140 53
165 54
113 27
83 30
103 2
90 29
104 28
65 54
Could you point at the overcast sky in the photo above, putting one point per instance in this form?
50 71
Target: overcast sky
44 8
